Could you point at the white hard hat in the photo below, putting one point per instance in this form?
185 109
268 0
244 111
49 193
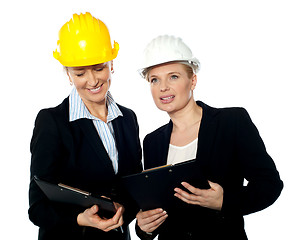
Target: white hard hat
165 49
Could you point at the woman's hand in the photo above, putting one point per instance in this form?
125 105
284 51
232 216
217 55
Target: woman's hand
90 218
150 220
209 198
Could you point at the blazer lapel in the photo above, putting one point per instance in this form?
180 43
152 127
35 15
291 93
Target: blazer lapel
120 142
92 136
207 134
165 143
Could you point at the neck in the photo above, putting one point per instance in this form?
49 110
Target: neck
189 116
98 110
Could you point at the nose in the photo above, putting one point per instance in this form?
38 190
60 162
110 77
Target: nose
92 79
164 86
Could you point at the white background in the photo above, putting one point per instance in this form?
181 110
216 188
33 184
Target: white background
248 53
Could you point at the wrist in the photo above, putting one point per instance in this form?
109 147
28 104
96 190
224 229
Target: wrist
142 234
79 219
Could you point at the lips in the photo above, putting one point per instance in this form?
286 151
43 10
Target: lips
95 90
167 99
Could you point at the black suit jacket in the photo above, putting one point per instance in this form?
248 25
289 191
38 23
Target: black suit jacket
229 151
72 153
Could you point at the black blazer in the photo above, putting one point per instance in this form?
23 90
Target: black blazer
72 153
229 151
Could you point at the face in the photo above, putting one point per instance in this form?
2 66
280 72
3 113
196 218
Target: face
91 82
171 87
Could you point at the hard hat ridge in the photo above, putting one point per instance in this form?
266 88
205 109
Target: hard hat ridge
85 22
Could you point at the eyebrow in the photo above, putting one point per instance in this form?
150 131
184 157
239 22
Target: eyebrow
95 65
77 69
174 73
170 73
100 65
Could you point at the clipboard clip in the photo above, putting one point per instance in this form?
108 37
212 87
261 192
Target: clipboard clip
156 168
74 189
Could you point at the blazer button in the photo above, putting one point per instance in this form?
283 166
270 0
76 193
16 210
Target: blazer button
189 235
113 192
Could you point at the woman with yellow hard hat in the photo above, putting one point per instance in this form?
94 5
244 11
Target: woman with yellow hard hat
223 142
87 142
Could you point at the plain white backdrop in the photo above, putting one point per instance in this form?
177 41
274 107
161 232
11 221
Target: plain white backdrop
248 52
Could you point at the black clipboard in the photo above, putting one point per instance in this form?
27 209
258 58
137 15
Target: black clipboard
66 194
154 188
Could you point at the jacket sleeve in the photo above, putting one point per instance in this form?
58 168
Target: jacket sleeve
47 153
264 184
143 235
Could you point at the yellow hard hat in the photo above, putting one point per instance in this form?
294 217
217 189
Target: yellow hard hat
83 41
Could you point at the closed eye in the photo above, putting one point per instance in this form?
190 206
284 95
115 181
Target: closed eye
99 69
79 74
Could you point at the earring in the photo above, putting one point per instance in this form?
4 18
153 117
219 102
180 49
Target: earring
70 83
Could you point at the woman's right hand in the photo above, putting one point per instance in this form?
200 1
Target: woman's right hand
90 218
150 220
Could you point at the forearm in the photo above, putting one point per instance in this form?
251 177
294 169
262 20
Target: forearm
46 214
260 192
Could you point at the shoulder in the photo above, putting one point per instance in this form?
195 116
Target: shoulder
159 130
127 112
159 133
223 113
58 113
50 123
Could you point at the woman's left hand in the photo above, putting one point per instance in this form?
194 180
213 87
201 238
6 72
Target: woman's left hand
209 198
90 218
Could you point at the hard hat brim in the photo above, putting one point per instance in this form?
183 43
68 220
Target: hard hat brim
193 63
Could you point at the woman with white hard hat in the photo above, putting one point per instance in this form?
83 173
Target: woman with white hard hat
86 142
224 142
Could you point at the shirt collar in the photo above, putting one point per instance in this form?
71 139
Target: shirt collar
77 108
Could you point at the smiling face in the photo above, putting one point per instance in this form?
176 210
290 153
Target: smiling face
171 86
91 82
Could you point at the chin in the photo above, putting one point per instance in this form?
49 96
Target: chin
167 109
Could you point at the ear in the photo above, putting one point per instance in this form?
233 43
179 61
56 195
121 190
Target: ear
112 66
69 77
194 82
